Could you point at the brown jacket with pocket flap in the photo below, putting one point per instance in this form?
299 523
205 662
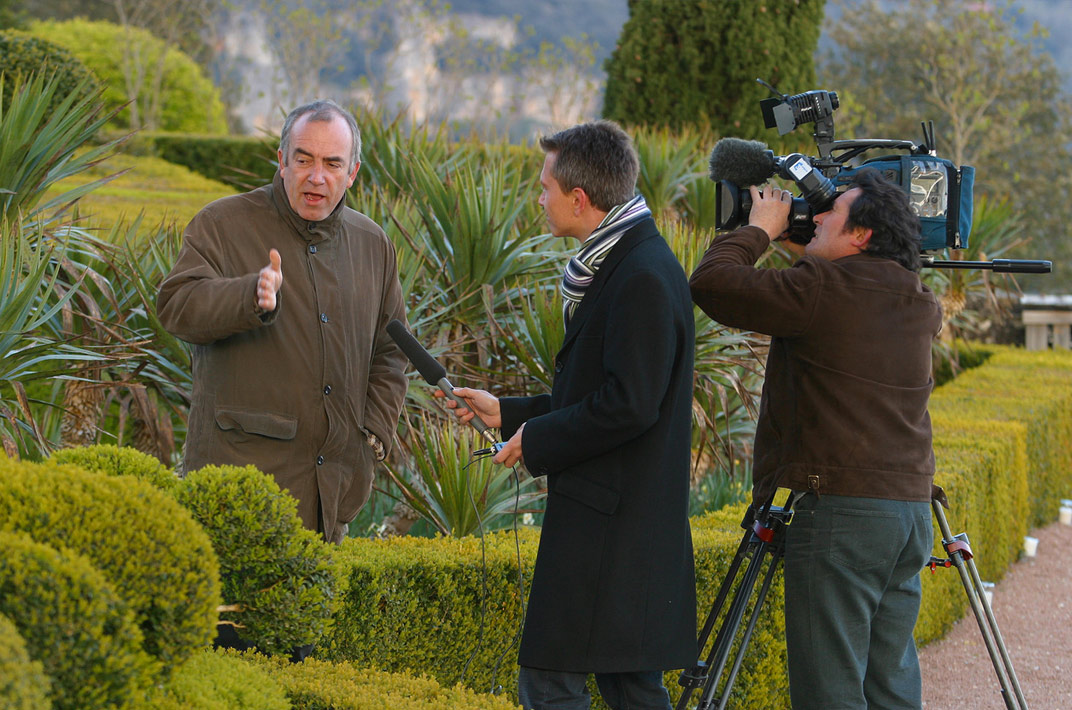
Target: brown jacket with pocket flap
292 392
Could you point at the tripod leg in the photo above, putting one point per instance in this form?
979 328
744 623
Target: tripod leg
984 615
696 676
761 598
720 651
999 642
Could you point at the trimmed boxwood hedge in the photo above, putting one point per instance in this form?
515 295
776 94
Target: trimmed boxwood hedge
158 558
278 577
217 680
1003 444
319 685
414 605
74 623
22 54
115 461
23 683
242 161
1029 387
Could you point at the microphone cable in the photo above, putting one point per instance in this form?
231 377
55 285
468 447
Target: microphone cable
495 688
473 458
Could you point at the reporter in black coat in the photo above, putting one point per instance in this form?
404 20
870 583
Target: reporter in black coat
613 591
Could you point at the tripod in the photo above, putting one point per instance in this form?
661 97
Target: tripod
960 556
764 538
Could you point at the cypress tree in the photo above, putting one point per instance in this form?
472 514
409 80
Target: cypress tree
695 62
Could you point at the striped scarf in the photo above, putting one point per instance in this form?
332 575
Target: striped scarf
582 268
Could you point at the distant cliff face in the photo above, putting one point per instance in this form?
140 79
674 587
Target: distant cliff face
461 66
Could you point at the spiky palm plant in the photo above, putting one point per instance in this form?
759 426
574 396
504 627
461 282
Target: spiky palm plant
40 145
141 394
458 491
669 164
29 299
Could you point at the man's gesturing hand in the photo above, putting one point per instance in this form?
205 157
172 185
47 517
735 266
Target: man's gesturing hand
271 278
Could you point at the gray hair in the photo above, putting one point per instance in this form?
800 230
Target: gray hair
322 110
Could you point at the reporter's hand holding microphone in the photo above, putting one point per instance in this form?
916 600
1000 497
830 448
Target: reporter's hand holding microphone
486 406
477 408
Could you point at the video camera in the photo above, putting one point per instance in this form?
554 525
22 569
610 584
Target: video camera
940 192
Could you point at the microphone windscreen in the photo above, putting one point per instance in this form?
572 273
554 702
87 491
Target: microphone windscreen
430 370
741 162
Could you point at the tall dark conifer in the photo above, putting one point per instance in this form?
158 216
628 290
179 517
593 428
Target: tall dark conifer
695 62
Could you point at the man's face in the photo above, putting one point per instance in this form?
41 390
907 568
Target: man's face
831 240
557 205
316 174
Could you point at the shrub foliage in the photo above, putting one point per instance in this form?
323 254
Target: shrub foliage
694 62
73 622
23 683
23 54
278 579
158 559
187 99
115 461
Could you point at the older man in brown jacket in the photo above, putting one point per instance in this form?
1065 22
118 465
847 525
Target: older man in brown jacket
296 377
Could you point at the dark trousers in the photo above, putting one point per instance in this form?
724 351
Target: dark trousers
562 690
852 595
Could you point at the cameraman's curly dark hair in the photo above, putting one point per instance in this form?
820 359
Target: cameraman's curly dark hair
884 208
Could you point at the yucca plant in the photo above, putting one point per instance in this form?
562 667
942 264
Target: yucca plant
457 491
530 333
141 393
699 202
974 300
472 248
728 372
390 147
39 146
669 163
30 298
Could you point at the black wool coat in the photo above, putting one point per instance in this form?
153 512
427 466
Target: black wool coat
613 588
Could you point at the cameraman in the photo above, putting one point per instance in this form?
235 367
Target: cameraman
843 420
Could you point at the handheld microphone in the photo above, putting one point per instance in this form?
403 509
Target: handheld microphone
433 373
741 162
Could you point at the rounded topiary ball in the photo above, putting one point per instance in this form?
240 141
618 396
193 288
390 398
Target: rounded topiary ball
23 683
22 54
116 461
280 577
157 557
73 622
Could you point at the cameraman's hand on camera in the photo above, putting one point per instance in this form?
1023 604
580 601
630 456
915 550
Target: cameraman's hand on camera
770 210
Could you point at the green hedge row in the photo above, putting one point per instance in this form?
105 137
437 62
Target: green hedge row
418 605
228 680
1028 387
107 582
1003 443
244 161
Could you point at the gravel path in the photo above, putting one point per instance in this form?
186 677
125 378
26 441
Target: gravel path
1033 608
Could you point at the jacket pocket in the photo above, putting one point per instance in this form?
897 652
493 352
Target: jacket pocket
274 426
599 498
